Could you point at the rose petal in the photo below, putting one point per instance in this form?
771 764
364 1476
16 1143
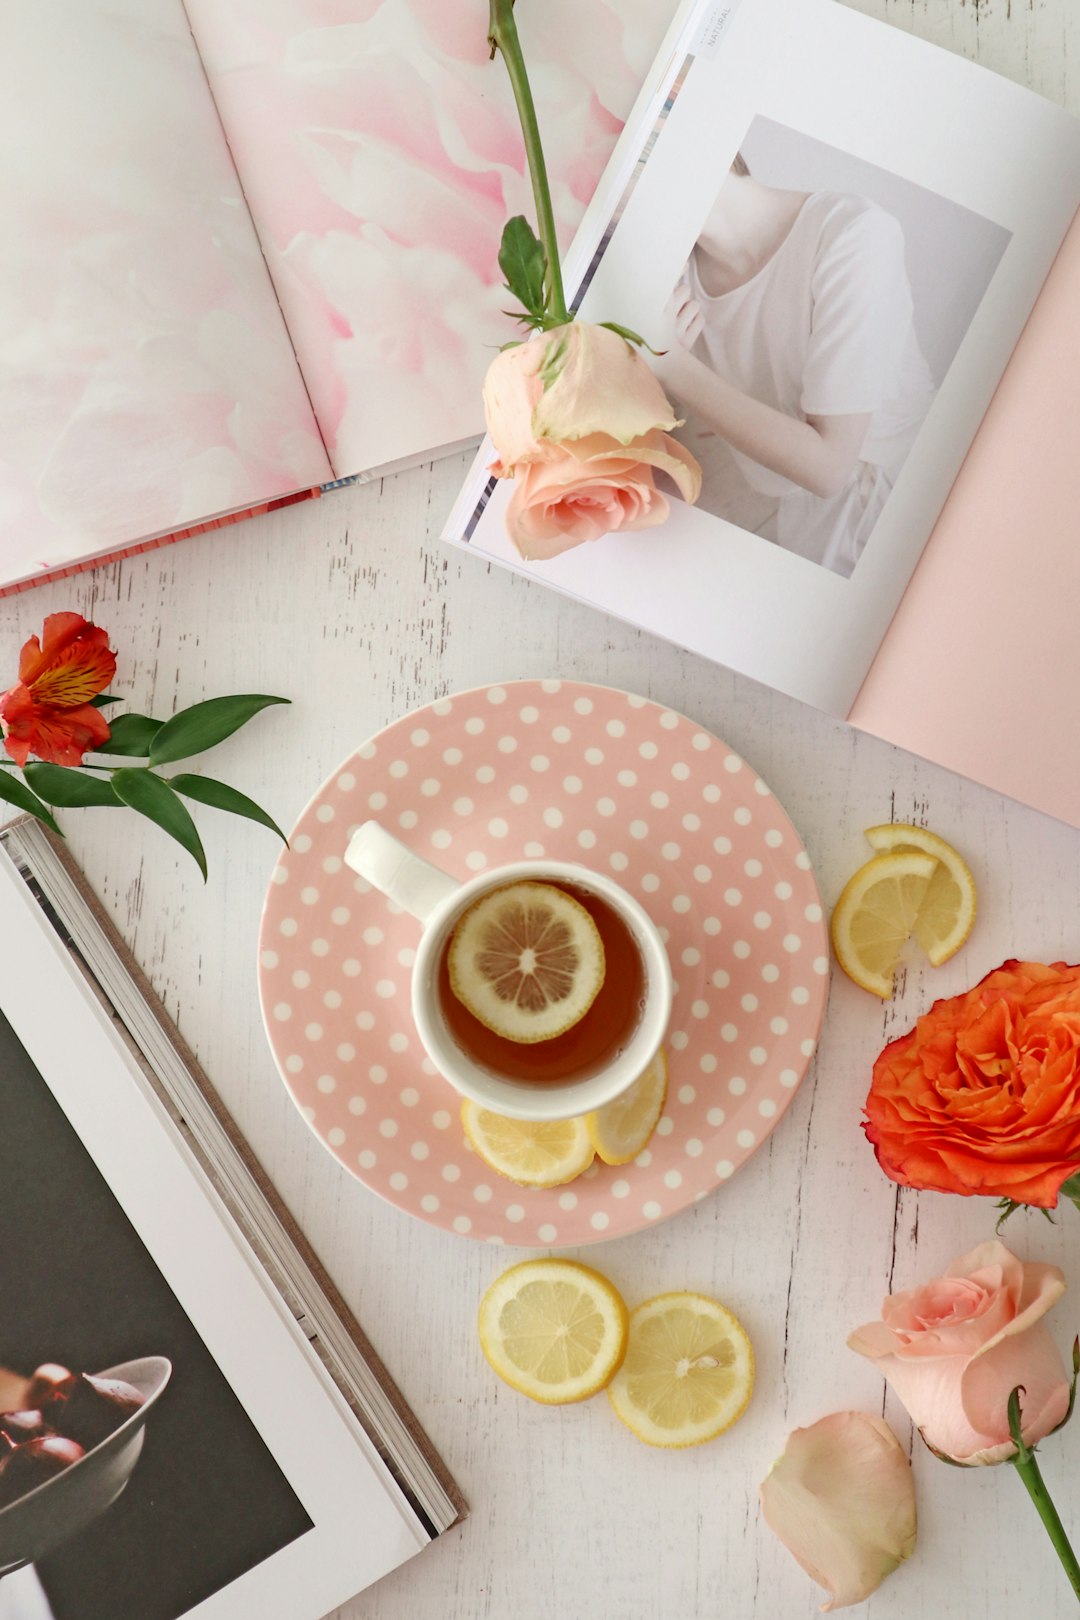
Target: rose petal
842 1500
1030 1359
656 449
601 384
931 1392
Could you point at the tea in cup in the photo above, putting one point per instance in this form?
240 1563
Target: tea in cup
578 1067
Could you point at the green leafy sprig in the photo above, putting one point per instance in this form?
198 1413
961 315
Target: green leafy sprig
45 787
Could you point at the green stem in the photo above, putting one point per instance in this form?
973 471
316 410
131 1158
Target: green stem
1028 1469
503 36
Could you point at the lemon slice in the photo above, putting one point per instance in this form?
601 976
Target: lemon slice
555 1330
620 1129
527 960
532 1152
875 915
947 914
687 1374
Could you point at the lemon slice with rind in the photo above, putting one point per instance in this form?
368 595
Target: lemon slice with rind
621 1128
688 1371
947 914
875 916
532 1152
527 960
554 1330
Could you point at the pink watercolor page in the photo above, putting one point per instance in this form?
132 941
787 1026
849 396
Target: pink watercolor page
380 154
147 381
980 669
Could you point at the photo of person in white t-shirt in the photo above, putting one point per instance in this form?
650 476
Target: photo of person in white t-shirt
793 353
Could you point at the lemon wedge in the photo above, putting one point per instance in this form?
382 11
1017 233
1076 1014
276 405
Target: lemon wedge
554 1330
532 1152
621 1128
527 960
687 1374
947 913
876 914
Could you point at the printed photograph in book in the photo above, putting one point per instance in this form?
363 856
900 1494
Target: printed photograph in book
132 1482
808 332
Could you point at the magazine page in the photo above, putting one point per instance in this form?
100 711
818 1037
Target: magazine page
241 1485
380 153
147 381
832 231
980 669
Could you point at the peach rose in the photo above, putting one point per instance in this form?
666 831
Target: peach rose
983 1095
842 1500
579 419
955 1349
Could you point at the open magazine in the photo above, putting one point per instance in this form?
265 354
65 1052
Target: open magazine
918 295
250 249
222 1439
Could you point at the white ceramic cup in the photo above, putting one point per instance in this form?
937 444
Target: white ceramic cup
437 900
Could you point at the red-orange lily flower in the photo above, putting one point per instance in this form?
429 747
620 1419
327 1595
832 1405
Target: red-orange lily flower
48 711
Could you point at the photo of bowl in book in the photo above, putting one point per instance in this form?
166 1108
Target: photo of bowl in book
69 1450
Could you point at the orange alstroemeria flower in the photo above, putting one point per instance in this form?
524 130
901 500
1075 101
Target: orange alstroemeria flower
48 711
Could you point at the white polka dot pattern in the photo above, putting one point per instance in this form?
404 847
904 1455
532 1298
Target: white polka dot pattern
594 776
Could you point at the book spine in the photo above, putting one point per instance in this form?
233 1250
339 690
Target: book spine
136 550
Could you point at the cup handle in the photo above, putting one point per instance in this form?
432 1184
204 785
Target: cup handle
399 874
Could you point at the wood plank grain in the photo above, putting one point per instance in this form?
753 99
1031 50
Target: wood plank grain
351 608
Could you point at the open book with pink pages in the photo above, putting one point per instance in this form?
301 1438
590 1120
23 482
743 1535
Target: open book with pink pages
250 249
921 291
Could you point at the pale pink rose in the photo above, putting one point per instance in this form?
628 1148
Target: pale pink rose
956 1348
581 421
842 1500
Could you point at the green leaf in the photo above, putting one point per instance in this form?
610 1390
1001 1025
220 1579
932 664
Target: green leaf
131 734
69 788
102 700
630 337
1071 1190
524 264
222 797
204 724
12 791
155 799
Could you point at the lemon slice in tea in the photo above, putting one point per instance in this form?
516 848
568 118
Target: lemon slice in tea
554 1330
527 960
687 1373
532 1152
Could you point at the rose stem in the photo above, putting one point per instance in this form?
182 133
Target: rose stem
503 36
1028 1469
1036 1489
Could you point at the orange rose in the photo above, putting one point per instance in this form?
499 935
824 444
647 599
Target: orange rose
983 1095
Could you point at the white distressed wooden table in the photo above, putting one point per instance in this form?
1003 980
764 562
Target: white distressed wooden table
350 607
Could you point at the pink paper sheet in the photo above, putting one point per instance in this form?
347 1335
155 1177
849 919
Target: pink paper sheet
146 378
980 669
380 153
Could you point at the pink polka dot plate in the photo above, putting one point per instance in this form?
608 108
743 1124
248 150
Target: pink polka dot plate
520 772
